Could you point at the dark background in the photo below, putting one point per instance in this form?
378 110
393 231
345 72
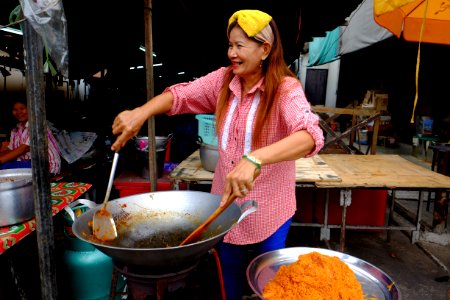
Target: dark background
188 36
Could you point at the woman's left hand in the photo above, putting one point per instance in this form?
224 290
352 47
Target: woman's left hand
240 180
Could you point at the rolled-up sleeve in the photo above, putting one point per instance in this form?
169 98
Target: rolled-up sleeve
297 112
198 96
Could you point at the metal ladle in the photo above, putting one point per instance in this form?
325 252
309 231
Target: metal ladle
103 225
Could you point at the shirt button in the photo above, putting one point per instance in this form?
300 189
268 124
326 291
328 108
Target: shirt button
232 162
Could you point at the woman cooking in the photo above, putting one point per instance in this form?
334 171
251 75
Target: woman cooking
264 123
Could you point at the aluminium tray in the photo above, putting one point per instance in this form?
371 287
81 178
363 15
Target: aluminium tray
375 283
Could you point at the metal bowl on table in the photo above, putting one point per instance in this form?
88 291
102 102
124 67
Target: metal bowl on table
375 283
160 142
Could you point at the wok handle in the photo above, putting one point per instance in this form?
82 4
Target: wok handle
200 229
247 207
88 203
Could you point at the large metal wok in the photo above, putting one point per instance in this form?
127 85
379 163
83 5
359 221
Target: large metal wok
152 225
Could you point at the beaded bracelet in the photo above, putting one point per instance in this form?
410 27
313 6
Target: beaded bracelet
253 160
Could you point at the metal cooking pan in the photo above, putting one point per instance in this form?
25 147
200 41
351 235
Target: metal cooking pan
151 226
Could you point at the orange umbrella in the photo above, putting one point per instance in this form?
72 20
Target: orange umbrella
407 20
417 21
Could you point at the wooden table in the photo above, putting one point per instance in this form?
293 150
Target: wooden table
308 170
390 172
62 194
344 172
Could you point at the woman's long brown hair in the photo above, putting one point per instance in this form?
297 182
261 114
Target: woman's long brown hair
274 70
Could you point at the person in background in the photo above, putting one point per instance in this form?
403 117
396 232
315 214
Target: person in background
264 123
18 155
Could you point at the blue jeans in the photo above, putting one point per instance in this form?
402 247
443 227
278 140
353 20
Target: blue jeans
15 164
234 260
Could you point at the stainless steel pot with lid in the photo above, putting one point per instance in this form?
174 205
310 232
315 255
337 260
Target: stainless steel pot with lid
16 196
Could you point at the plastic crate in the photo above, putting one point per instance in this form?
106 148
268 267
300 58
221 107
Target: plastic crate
207 128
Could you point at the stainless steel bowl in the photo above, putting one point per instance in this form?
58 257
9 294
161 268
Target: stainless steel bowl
209 155
16 196
374 282
160 142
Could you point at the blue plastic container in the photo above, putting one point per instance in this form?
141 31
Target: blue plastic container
207 128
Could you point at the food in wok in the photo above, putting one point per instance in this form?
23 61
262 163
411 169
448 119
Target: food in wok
314 276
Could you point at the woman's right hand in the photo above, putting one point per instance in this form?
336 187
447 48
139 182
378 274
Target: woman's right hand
127 125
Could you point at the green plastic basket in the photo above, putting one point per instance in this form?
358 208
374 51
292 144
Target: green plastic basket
207 128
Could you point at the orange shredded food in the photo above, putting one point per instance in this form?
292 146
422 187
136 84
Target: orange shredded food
314 277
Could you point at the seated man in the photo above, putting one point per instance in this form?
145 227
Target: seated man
18 153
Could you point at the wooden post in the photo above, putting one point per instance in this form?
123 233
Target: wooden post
33 47
150 93
376 126
354 122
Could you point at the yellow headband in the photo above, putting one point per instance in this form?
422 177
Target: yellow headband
251 21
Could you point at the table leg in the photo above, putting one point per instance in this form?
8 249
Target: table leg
434 159
416 233
324 230
391 217
345 200
176 185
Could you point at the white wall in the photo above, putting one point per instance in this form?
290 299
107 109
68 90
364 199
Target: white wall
332 83
332 79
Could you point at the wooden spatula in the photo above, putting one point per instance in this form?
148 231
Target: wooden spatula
196 234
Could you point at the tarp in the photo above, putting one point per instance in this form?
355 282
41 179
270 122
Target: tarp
323 50
361 31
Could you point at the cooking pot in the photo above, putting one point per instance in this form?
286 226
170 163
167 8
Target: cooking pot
209 156
16 196
152 225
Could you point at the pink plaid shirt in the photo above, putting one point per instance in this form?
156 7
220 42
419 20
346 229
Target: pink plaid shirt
274 189
21 136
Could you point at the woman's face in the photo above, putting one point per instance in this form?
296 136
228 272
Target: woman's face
245 54
20 112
